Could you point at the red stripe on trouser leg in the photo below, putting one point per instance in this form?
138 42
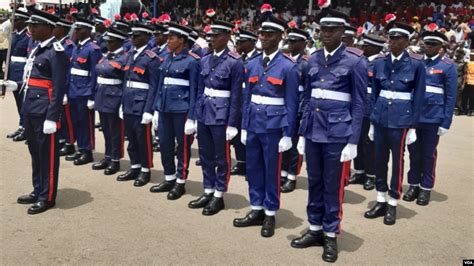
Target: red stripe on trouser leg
400 162
347 172
91 129
148 145
345 168
51 167
280 155
227 158
122 137
185 157
299 164
70 130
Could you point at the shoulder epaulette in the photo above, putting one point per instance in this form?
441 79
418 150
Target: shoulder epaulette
68 42
150 53
290 58
447 60
234 55
416 56
380 56
195 56
58 47
95 46
355 51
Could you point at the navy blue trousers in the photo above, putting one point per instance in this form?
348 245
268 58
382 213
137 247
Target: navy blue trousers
326 178
139 141
365 159
44 158
66 133
214 153
113 129
388 140
83 123
423 156
171 130
19 95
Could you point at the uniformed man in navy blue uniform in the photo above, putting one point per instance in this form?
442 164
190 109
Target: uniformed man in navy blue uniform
218 109
192 44
19 52
364 163
42 107
123 26
108 98
82 86
245 46
292 161
175 100
100 31
270 108
349 34
333 107
435 119
398 90
66 132
141 78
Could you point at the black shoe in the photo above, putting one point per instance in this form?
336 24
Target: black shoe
177 191
214 206
330 249
20 137
412 193
239 169
268 227
86 157
67 149
18 131
113 168
101 165
254 217
470 113
198 162
164 186
391 215
379 210
200 202
156 146
423 197
142 179
40 206
131 174
369 183
27 199
73 157
357 179
97 125
288 186
460 113
308 239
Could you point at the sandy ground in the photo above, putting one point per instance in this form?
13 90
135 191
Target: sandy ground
100 221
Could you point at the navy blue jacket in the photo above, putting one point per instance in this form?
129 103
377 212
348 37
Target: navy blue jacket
21 41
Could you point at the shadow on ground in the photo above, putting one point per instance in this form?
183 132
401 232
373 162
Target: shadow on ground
69 198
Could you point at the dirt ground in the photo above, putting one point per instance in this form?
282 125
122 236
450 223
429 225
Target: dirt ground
100 221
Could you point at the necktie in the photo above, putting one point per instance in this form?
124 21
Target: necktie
265 61
328 57
244 57
395 62
427 61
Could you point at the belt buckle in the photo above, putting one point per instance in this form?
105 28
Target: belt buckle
390 95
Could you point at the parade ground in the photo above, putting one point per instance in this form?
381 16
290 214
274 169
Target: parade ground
98 220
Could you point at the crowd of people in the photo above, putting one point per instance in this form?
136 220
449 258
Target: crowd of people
334 87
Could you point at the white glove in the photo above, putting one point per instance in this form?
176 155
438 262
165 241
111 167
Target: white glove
10 85
411 136
230 133
442 131
349 152
284 144
65 99
49 127
121 112
243 136
155 120
371 132
301 145
147 118
90 104
189 127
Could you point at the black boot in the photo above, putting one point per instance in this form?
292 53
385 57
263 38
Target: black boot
198 162
330 249
177 191
101 165
112 168
214 206
27 199
357 179
142 179
369 183
21 136
239 169
391 215
16 132
308 239
268 227
254 217
131 174
73 157
164 186
378 210
86 157
40 206
423 197
201 202
412 193
288 186
67 149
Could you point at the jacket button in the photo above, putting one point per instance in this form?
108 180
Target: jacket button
212 69
322 80
261 85
37 96
391 81
211 78
317 109
389 102
264 73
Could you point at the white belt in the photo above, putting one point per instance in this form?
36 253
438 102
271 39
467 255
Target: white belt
18 59
369 90
330 95
138 85
433 89
395 95
216 93
267 100
105 81
174 81
79 72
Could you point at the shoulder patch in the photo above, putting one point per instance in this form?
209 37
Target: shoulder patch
195 56
416 56
355 51
150 53
290 58
58 47
234 55
447 60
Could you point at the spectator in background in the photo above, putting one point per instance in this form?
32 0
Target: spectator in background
3 50
461 68
416 24
467 102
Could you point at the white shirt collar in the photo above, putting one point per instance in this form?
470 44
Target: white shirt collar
372 57
326 53
219 53
21 32
84 41
140 50
249 54
432 58
118 50
62 39
163 46
44 43
398 57
271 56
296 57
